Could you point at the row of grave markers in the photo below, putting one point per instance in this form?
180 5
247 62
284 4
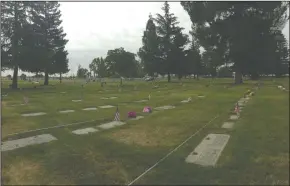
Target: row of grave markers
103 107
209 150
45 138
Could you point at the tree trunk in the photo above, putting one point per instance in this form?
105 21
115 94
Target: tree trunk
45 77
238 78
179 77
15 77
168 77
59 77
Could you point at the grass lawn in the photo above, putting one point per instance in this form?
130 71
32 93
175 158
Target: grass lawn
257 152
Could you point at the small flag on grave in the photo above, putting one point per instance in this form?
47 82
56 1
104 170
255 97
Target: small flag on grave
117 115
237 109
25 99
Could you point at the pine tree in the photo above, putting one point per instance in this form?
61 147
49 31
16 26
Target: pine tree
13 25
49 37
148 53
166 29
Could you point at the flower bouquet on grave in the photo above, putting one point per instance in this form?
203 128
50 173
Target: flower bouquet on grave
132 114
147 109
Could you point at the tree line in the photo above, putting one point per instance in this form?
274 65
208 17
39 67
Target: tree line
245 34
32 39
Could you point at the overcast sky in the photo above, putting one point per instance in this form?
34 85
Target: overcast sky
102 26
93 28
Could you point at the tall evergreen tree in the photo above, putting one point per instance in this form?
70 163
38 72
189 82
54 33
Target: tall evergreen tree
13 25
177 54
167 29
149 51
60 63
193 57
49 38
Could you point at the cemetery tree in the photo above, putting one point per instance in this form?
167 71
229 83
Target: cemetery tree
93 66
101 68
121 63
281 62
166 30
193 57
23 77
239 28
82 72
177 54
13 25
148 53
49 37
60 63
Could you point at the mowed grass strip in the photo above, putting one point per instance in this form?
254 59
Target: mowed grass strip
116 156
257 152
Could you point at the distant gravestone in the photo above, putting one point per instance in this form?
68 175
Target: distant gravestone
66 111
34 114
106 106
85 131
228 125
111 124
234 117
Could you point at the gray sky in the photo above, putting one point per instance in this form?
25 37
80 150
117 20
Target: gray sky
102 26
93 28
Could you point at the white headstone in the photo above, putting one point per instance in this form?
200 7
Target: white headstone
85 131
34 114
111 124
228 125
76 100
234 117
14 144
106 106
66 111
91 108
209 150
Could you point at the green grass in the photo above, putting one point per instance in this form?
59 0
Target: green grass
257 153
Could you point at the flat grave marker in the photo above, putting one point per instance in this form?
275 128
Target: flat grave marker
33 114
106 106
228 125
111 124
90 108
15 144
76 100
166 107
209 150
140 101
85 131
234 117
66 111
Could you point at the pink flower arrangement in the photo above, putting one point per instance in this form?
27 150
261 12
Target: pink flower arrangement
131 114
147 109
